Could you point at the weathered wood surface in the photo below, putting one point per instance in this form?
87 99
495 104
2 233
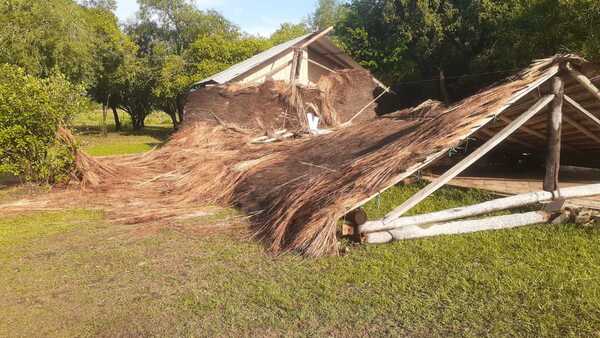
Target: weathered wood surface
554 128
459 227
481 208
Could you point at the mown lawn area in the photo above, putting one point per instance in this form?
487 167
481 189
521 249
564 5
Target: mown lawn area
124 142
71 273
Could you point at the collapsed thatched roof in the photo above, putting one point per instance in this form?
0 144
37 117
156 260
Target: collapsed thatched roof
300 195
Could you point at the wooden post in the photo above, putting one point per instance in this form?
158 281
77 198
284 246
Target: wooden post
554 136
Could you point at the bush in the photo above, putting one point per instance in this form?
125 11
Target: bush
31 110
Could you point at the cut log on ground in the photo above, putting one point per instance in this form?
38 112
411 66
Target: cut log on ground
459 227
480 209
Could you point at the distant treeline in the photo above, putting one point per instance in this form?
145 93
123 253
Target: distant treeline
444 49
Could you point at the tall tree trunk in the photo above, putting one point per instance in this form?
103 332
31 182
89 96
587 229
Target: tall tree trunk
117 120
104 113
443 89
173 116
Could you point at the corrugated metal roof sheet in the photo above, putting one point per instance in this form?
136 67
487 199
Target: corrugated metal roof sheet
242 67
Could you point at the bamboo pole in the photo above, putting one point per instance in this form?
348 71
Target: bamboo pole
554 136
505 203
469 160
459 227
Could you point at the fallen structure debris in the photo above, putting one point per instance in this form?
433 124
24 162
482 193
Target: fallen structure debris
296 191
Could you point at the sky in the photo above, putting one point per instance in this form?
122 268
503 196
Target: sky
261 17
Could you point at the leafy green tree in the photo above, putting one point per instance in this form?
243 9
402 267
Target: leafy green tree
180 23
328 13
448 49
44 36
215 53
31 111
287 32
110 5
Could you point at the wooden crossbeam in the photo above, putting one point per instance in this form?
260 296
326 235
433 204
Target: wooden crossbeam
322 66
469 160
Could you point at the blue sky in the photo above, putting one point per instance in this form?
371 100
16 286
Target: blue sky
255 17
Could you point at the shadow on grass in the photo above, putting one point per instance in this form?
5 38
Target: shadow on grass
158 132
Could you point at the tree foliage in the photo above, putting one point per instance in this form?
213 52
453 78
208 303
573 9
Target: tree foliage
31 110
414 41
287 32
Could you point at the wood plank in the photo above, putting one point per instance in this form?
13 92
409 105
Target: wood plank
322 66
469 160
581 128
582 110
554 136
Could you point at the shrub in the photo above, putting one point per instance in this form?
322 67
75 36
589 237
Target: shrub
31 110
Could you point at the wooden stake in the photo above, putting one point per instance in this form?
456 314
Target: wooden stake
554 136
469 160
459 227
506 203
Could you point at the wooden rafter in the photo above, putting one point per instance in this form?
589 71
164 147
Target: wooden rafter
584 81
469 160
582 110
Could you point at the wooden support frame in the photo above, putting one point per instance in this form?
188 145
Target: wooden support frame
469 160
552 71
581 128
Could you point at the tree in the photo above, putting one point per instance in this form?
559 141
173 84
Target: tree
328 13
109 5
287 32
31 111
448 49
215 53
180 23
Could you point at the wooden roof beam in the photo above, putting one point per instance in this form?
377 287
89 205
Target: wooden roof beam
584 81
582 110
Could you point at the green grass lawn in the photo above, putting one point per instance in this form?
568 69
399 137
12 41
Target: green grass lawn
72 273
89 134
